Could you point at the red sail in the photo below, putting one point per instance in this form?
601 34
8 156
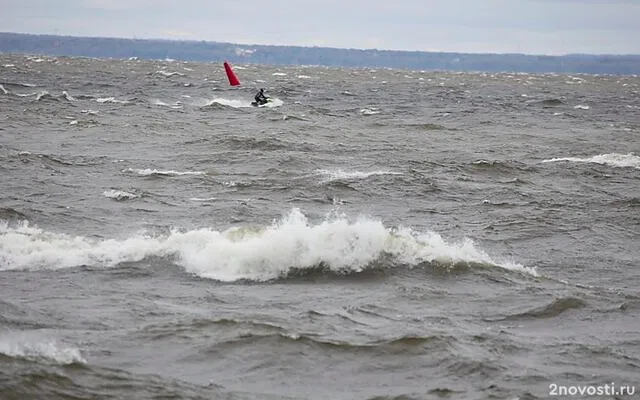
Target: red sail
233 79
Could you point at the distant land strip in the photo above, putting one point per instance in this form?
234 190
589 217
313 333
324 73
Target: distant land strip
207 51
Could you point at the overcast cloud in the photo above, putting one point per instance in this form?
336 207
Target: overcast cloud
503 26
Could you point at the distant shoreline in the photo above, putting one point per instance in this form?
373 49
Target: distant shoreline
206 51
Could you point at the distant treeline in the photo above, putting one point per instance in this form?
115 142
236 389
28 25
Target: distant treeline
295 55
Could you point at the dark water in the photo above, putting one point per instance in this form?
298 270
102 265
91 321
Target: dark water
372 234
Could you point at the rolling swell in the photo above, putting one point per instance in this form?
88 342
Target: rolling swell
554 309
500 167
28 381
13 316
267 144
204 326
547 103
426 127
413 346
382 268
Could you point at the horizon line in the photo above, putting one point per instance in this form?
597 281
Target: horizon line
320 47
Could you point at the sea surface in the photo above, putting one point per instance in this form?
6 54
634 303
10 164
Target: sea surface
370 234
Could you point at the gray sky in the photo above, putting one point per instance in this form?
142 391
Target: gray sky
503 26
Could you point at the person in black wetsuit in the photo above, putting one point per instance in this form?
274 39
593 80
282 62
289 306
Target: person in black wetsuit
260 97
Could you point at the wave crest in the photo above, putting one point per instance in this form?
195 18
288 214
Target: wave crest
34 349
289 246
611 159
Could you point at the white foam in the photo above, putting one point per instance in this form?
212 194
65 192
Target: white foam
369 111
230 103
279 74
169 74
26 247
42 94
119 195
24 84
67 96
31 347
254 253
581 107
243 103
175 106
111 100
339 174
4 91
575 80
148 172
611 159
273 103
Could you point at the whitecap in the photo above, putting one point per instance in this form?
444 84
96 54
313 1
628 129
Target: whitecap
254 253
176 105
42 94
169 74
203 199
119 195
111 100
34 348
369 111
339 174
67 96
149 171
611 159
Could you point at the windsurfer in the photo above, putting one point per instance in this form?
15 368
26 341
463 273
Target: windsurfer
260 97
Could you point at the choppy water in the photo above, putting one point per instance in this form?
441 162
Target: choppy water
373 234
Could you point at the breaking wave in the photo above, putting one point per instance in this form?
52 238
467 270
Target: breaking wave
611 159
288 246
119 195
339 174
33 348
150 172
